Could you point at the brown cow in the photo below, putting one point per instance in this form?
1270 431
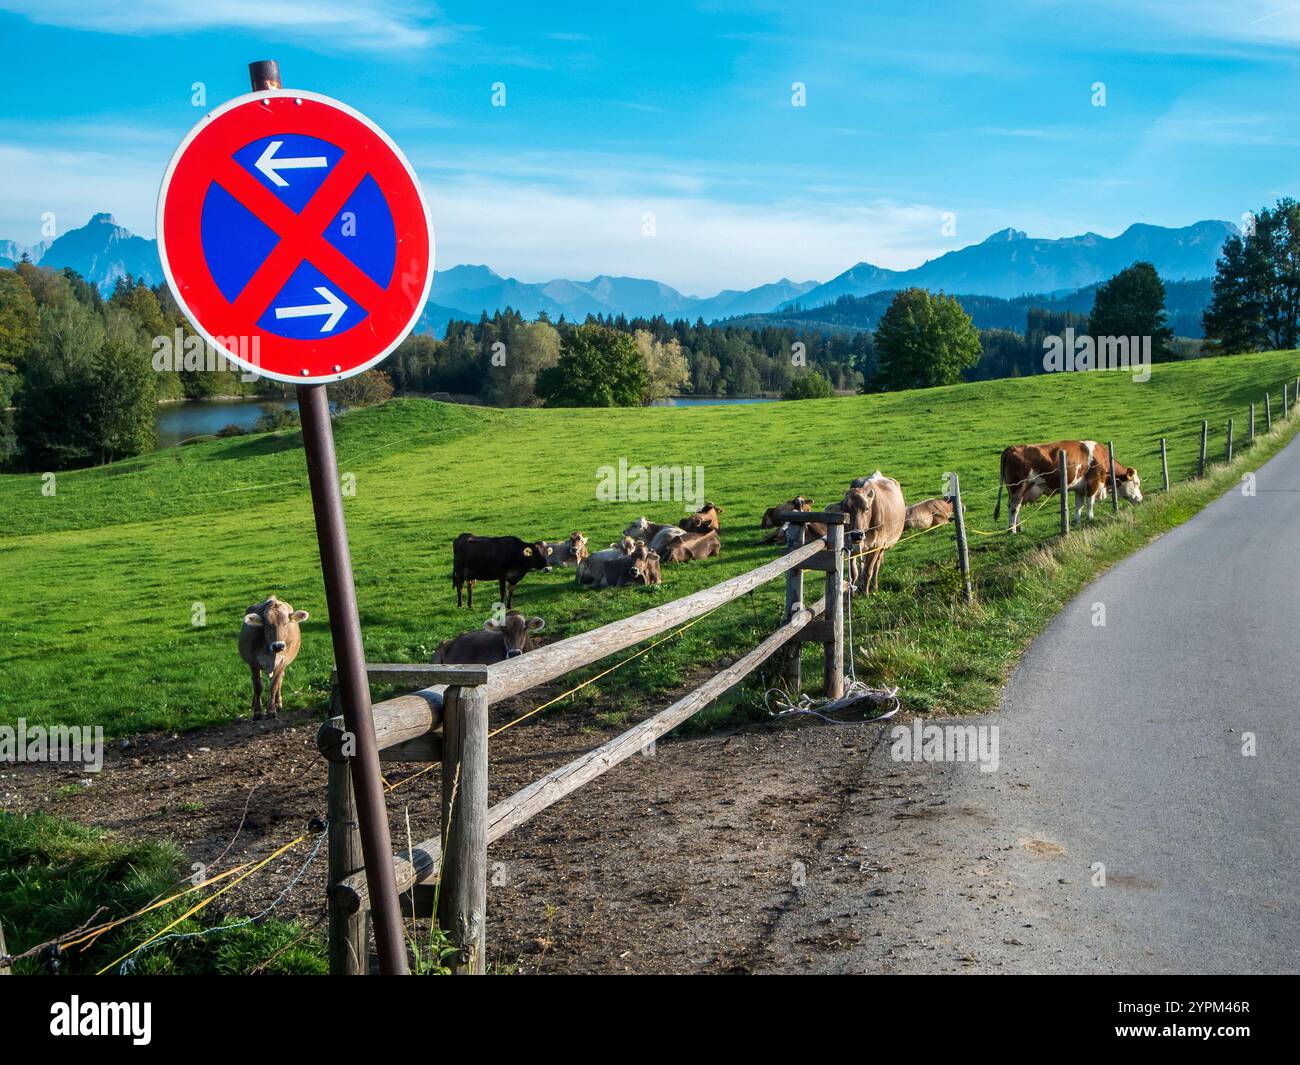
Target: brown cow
494 642
268 642
690 546
654 534
640 566
770 520
703 520
1032 471
929 513
875 508
566 552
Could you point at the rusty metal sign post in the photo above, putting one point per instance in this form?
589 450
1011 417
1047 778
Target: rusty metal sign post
349 653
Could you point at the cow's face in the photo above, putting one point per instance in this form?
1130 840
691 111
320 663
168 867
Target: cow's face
278 622
578 546
515 629
639 529
538 556
857 505
1129 485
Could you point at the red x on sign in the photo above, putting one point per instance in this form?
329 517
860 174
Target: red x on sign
295 237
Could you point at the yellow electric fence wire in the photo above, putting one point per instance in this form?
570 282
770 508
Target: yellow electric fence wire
200 905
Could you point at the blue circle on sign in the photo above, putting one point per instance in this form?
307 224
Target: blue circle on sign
236 243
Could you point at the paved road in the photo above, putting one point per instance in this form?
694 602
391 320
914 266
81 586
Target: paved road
1120 744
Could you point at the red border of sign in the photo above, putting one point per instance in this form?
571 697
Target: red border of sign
204 156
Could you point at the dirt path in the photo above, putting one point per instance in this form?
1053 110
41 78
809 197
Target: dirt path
689 861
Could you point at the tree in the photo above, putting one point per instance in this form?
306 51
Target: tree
531 347
924 340
1132 304
808 385
363 390
124 401
598 367
1256 290
666 368
18 319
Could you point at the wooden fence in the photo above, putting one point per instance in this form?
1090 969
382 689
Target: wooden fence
446 721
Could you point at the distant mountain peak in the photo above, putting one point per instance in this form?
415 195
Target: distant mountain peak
1002 236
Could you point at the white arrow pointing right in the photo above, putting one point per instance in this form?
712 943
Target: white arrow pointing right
333 306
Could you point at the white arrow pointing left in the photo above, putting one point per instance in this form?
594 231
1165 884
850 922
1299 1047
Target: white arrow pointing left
269 165
333 306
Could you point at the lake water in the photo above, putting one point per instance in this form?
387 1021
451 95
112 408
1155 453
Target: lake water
203 417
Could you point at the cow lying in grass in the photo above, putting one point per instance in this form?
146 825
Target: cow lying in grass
566 552
690 546
654 534
591 570
494 642
269 642
703 520
639 566
929 513
771 521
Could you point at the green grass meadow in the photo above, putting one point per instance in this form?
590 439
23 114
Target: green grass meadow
104 579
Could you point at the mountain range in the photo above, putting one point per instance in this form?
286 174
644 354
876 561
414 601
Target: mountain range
1009 264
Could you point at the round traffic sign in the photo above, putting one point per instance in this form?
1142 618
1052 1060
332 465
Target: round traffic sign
295 237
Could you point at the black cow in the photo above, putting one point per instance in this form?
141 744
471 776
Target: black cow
504 559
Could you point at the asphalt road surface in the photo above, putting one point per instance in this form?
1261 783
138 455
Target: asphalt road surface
1125 743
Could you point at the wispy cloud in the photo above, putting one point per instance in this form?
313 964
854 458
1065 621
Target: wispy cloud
336 24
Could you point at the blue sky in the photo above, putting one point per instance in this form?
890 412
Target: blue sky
684 111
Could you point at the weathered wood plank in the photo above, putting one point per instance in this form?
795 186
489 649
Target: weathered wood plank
821 517
421 863
462 902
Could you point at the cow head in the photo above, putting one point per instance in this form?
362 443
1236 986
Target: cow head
1129 483
769 516
639 529
538 556
578 546
515 630
278 622
857 504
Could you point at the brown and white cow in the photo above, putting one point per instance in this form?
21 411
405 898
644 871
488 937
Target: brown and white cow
269 642
1032 471
654 534
930 512
876 509
494 642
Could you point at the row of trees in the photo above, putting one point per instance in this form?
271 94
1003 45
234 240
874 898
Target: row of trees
1256 293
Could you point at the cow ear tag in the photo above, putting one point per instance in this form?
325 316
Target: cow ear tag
528 552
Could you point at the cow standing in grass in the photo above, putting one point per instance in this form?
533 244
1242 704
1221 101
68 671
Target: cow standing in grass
875 508
1030 472
504 559
269 642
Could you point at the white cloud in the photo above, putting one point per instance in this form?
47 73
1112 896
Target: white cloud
369 24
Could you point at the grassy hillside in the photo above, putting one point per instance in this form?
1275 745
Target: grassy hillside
101 579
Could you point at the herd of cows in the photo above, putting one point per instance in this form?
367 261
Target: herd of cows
877 517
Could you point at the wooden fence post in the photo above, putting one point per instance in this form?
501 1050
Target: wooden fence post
1285 386
833 658
1114 487
1252 423
349 933
795 536
963 555
1228 449
1268 412
1164 462
1063 473
462 895
1205 436
5 969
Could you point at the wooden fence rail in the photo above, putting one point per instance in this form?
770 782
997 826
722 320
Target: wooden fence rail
446 720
